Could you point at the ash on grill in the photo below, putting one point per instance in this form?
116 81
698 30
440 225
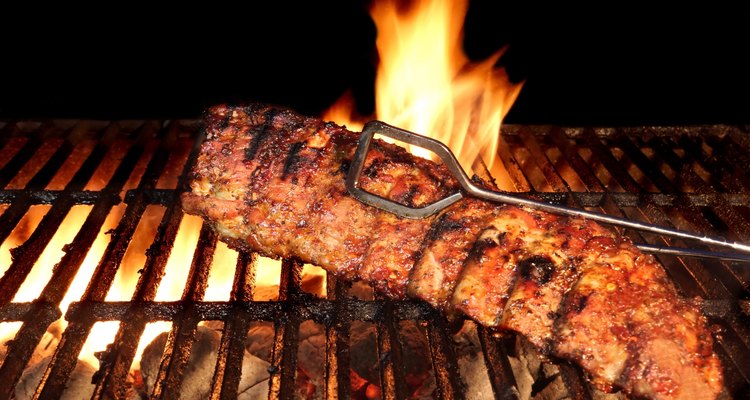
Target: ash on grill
108 290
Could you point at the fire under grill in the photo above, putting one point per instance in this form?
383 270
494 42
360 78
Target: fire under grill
95 255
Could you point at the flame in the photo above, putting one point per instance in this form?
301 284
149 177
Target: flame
20 234
178 264
171 288
343 112
41 272
123 287
426 84
222 273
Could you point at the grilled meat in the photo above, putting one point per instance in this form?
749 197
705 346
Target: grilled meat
272 181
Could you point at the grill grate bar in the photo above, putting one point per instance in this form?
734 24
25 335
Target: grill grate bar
152 311
181 338
609 162
520 182
31 333
731 150
653 172
444 363
228 372
22 202
609 169
283 367
231 351
706 270
15 311
553 178
45 175
319 311
33 143
392 378
732 178
158 254
22 347
53 294
611 209
126 341
571 375
498 367
26 255
34 197
64 360
588 199
338 384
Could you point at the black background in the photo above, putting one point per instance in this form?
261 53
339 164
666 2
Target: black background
582 67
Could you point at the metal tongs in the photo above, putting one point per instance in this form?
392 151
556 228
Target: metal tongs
470 189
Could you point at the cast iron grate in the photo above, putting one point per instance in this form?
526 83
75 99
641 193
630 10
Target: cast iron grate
692 178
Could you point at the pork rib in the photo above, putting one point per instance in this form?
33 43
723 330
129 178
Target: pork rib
272 181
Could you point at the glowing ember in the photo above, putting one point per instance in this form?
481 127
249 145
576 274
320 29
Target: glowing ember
426 84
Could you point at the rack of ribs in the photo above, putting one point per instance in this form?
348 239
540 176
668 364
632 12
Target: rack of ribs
273 182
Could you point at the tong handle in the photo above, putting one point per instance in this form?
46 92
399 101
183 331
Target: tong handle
470 189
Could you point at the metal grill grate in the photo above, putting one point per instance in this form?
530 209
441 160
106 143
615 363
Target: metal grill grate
691 178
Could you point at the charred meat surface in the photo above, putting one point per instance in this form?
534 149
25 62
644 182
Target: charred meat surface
272 181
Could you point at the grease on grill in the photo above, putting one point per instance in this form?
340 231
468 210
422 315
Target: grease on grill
259 134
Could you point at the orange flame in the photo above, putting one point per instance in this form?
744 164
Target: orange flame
426 84
267 273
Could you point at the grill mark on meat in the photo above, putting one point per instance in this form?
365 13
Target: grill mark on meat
576 304
292 160
442 225
481 246
486 280
389 269
532 303
538 268
372 170
408 198
443 260
259 133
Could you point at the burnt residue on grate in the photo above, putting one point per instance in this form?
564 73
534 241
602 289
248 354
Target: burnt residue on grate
690 178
